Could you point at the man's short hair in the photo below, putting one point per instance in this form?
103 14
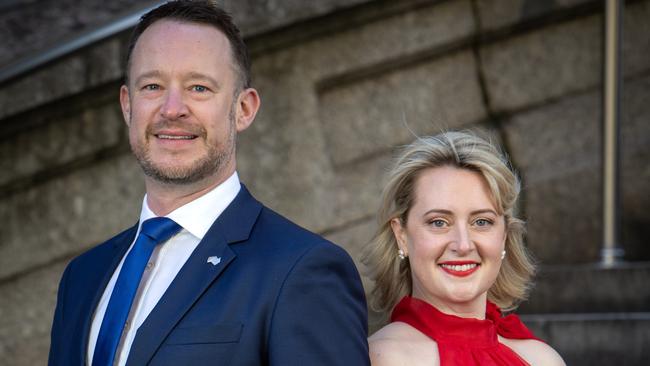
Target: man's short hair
202 12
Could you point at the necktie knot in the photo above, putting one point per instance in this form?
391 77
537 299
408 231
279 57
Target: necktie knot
159 229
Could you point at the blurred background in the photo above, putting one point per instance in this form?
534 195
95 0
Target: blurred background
343 83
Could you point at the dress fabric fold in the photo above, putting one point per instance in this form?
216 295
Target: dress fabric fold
465 341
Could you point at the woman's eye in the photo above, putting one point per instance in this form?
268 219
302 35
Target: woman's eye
483 222
438 223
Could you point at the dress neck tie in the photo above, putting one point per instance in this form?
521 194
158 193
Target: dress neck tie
153 232
465 341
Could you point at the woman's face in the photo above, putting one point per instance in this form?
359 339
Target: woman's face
454 239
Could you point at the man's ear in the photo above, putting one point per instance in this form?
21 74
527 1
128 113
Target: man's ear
400 234
125 103
248 103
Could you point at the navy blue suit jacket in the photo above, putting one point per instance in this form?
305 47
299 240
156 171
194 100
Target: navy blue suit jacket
280 296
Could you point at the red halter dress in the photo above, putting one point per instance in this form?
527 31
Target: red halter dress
465 341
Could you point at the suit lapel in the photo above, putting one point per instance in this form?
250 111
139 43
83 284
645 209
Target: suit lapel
96 277
196 275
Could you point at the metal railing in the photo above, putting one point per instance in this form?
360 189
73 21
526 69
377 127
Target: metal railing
611 252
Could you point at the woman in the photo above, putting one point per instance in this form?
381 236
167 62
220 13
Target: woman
448 256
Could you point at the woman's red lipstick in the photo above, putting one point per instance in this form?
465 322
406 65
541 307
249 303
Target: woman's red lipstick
459 268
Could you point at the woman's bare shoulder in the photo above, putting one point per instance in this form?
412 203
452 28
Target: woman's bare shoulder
399 344
534 352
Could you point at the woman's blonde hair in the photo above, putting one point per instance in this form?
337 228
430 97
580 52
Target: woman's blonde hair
464 150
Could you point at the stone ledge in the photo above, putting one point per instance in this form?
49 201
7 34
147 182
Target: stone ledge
610 339
78 72
355 53
26 310
254 17
371 116
561 58
69 214
61 140
590 289
497 14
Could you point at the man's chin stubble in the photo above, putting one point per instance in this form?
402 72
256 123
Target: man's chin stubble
199 170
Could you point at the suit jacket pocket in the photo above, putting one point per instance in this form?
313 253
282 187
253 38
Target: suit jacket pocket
216 333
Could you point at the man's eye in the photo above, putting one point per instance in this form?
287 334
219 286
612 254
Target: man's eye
199 88
151 87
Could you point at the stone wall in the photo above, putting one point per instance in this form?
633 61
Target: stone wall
343 83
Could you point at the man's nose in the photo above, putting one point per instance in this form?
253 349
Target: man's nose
174 106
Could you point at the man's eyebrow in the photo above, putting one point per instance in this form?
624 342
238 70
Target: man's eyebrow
190 76
147 75
199 76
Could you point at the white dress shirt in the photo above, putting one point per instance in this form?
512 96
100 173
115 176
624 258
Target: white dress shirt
195 218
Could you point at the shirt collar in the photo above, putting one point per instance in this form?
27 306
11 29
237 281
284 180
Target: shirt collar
198 216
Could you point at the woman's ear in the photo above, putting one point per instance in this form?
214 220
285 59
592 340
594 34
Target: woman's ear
400 234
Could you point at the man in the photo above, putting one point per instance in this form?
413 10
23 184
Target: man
208 275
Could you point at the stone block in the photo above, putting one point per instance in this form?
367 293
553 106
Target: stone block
496 14
547 63
105 62
557 149
357 189
59 140
41 86
35 26
372 115
564 218
68 215
595 339
65 77
561 58
254 16
590 289
280 156
283 162
26 309
395 38
310 192
557 139
635 32
355 238
635 169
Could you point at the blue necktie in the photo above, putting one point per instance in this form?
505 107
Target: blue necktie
152 232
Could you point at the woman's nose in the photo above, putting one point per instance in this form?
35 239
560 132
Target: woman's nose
461 242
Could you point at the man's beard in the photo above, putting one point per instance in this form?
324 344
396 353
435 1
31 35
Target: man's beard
216 157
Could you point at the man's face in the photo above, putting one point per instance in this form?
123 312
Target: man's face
180 104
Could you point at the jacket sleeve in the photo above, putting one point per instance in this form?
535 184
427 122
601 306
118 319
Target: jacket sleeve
320 317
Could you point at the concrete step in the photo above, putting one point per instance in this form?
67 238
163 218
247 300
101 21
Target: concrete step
590 289
595 338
